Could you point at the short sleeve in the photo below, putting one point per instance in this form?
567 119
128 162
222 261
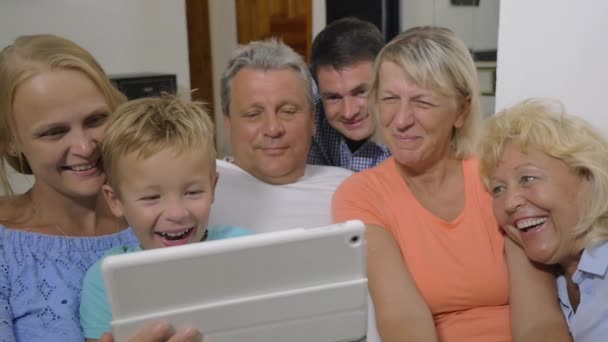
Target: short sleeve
6 312
227 232
95 313
358 198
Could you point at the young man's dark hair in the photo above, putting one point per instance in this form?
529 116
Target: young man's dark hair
344 42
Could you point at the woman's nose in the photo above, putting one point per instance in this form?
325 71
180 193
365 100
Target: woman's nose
83 144
405 117
513 201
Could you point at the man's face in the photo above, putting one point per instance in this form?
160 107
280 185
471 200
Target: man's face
270 124
344 96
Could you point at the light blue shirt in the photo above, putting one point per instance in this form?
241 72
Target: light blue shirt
590 322
95 311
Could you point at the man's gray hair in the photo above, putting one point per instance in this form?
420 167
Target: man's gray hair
264 55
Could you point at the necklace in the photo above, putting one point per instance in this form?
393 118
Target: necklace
37 212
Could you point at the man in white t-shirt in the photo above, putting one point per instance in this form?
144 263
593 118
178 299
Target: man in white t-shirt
269 111
243 200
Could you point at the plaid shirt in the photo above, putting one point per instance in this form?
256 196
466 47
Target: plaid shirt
329 146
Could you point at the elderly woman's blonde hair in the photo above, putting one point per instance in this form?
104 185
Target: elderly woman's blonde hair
544 125
150 125
436 59
27 57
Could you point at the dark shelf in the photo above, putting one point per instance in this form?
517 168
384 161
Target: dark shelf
138 85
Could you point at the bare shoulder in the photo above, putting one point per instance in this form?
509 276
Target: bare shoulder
6 207
12 210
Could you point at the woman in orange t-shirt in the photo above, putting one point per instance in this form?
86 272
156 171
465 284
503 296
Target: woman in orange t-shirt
436 261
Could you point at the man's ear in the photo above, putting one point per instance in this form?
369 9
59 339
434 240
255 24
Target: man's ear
113 200
227 125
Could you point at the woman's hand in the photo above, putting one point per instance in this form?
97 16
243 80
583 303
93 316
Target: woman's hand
161 332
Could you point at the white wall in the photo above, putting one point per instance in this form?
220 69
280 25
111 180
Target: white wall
477 26
558 49
124 36
319 16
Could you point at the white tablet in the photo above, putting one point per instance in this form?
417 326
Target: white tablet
293 285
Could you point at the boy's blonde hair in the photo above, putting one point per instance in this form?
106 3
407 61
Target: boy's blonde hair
150 125
27 57
543 125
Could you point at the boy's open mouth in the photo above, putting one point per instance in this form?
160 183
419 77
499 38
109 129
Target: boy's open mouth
176 236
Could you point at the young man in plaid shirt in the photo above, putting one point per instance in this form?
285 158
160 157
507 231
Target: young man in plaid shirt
342 62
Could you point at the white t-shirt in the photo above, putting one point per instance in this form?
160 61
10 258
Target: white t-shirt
244 201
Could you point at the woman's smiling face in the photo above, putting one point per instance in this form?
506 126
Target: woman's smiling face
538 200
417 123
60 119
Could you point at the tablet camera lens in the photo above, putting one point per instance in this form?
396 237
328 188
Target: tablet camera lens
354 239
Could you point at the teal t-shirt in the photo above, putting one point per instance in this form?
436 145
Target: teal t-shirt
95 312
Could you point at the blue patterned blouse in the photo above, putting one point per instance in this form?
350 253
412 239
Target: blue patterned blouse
41 280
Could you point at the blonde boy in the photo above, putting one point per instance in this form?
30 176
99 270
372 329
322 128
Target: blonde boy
159 160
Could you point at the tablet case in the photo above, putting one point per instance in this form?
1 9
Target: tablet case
293 285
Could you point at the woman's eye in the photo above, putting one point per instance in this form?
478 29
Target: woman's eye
497 190
424 104
527 179
389 99
53 133
97 120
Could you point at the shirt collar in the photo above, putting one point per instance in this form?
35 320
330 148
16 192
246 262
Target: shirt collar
369 148
595 261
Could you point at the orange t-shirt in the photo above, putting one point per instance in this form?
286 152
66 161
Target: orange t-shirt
459 266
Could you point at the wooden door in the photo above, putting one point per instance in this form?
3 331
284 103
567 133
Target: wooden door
199 41
289 20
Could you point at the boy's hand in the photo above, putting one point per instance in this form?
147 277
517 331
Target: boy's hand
161 332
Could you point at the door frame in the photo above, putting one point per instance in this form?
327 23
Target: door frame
199 52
